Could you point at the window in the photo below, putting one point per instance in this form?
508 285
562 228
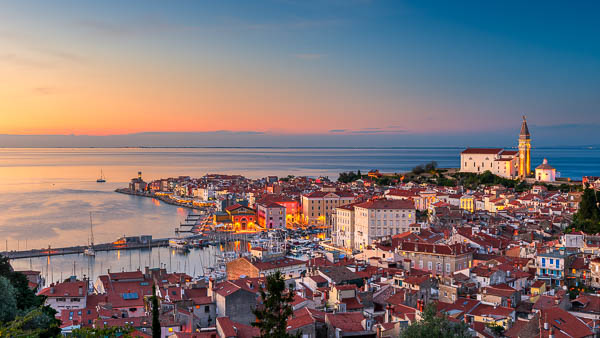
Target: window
543 261
206 309
448 267
429 266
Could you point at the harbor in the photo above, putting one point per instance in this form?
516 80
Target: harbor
123 243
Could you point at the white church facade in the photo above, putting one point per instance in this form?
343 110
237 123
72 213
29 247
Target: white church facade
501 162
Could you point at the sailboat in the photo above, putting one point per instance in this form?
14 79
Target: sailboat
102 178
89 251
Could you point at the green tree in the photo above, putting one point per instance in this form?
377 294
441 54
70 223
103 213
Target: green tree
26 298
276 308
8 303
432 325
39 322
107 332
587 218
155 314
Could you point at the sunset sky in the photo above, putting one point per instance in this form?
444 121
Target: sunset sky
345 71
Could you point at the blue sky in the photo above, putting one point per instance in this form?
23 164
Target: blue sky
340 72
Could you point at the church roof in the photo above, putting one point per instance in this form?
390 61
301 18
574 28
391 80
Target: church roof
545 165
524 129
482 151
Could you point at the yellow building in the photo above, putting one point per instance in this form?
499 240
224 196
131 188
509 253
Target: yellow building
319 206
537 289
467 202
524 150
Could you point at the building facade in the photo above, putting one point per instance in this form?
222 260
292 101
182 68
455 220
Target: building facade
382 217
505 163
318 206
545 172
343 227
595 273
440 259
551 266
271 215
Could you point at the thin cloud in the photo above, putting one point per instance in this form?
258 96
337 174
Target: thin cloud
309 56
397 131
23 61
369 131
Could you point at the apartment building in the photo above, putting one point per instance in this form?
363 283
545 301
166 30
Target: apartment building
382 217
343 227
440 259
319 206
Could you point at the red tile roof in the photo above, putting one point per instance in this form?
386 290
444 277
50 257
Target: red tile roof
387 204
490 151
442 249
277 263
346 321
65 289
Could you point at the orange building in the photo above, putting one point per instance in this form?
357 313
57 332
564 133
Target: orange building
242 218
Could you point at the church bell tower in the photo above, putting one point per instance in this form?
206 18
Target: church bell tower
524 150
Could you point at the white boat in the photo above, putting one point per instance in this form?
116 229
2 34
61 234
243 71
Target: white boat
178 243
89 251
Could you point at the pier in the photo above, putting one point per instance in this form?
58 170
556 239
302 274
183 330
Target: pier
214 237
80 248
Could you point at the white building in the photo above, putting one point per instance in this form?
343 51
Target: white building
498 161
66 295
204 193
343 227
378 218
545 172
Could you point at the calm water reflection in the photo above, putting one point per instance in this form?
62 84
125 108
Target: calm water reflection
47 194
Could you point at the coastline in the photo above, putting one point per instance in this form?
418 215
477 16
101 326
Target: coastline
160 198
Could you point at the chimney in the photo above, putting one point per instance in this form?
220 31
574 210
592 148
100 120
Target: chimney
52 289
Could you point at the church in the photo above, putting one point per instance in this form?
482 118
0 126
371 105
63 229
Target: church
505 163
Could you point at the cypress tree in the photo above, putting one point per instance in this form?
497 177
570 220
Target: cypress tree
155 314
272 316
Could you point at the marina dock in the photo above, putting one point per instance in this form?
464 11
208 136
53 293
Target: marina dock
80 248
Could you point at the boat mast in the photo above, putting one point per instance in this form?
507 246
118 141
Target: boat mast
91 231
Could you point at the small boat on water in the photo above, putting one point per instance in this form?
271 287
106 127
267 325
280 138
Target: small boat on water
199 243
102 179
178 243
